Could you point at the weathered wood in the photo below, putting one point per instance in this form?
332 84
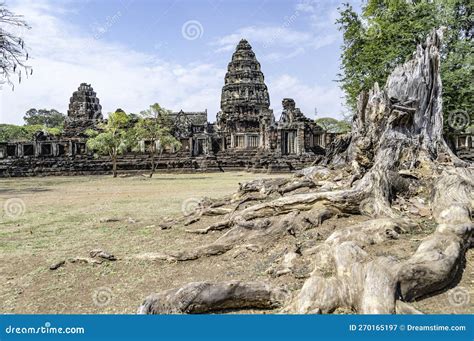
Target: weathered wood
440 256
205 297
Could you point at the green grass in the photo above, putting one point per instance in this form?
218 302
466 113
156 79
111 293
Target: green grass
62 220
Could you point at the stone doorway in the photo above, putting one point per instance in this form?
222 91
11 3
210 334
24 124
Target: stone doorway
288 142
198 147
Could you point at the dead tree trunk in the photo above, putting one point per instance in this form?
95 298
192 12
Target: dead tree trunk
396 138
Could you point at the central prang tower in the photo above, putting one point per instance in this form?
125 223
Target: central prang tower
245 113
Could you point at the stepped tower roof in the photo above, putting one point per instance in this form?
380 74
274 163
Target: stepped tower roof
244 91
84 104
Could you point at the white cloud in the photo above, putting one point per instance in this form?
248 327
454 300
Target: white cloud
320 17
305 6
280 42
278 56
326 99
64 57
265 35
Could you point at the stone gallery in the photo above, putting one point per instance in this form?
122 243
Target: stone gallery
244 136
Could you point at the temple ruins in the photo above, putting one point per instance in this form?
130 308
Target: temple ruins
245 136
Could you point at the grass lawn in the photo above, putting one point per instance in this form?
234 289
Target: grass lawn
60 217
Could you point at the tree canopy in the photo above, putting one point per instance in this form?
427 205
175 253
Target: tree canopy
332 125
154 126
386 33
112 139
48 118
11 132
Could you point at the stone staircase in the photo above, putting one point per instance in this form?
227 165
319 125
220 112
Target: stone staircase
229 160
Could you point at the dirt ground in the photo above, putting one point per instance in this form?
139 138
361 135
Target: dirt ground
47 220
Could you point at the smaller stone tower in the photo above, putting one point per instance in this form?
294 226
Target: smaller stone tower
84 104
84 112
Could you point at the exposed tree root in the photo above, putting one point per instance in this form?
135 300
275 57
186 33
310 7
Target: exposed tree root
404 308
345 275
221 225
392 152
205 297
297 184
257 231
287 263
318 214
440 256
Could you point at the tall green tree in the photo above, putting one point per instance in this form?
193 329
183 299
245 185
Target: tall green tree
457 67
14 133
11 132
332 125
48 118
112 138
386 33
154 128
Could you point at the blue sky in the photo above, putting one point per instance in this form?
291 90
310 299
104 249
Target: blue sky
175 52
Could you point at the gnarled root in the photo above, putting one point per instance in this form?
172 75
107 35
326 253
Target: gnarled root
205 297
259 231
439 257
257 223
287 264
346 277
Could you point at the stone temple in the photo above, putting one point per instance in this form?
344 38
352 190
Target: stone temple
245 114
246 134
84 112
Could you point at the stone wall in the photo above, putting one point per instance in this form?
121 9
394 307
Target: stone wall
238 160
255 160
